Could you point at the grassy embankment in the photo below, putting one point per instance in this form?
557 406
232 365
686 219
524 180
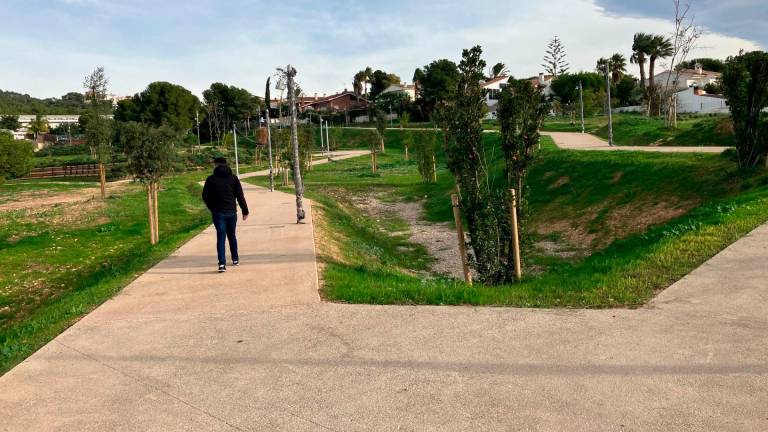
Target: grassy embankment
63 256
638 222
635 129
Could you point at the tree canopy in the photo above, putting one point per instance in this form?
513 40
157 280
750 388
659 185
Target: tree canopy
566 86
380 80
745 86
161 103
709 64
12 103
437 82
15 156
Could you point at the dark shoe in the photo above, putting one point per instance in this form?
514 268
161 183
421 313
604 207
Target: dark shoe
235 263
222 268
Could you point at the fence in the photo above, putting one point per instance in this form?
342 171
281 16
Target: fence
91 170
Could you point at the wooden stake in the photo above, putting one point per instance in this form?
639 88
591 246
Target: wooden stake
373 161
434 169
460 235
150 213
515 234
102 180
406 153
157 214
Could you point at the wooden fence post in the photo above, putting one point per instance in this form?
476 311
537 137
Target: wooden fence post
515 234
460 235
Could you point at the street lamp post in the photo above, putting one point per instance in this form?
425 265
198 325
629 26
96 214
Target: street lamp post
608 104
237 162
581 105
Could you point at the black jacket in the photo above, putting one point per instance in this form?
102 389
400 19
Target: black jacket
222 192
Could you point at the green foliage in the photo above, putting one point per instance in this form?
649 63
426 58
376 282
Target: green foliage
380 80
437 82
38 125
161 103
745 86
713 88
10 122
55 272
554 58
12 103
150 151
521 111
398 102
100 135
15 157
425 147
566 86
708 64
483 206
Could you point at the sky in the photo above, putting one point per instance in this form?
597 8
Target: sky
50 45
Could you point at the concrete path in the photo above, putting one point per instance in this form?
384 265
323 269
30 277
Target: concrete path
185 349
579 141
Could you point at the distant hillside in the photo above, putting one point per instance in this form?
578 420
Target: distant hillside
17 103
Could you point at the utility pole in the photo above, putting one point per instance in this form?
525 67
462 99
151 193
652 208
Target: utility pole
608 104
197 120
327 141
237 162
581 104
322 144
269 141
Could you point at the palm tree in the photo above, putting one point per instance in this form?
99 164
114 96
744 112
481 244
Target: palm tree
640 50
499 69
659 47
617 67
38 125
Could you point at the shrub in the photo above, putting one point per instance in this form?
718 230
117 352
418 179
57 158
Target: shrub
15 157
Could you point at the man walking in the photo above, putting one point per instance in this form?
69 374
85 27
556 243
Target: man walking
221 193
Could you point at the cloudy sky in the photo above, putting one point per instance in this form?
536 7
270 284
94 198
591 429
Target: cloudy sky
50 45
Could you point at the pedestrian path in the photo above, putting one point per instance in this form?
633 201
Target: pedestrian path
585 141
183 348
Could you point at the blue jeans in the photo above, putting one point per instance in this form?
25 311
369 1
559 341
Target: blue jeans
225 224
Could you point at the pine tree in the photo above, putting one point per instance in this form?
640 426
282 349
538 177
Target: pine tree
554 59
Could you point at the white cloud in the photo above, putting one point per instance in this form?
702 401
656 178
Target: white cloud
328 48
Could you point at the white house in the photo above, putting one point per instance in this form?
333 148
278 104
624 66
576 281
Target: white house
687 78
410 90
495 85
696 100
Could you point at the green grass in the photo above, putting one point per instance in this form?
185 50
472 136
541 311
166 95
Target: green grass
630 260
60 262
635 129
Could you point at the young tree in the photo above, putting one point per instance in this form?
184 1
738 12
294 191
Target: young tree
466 159
150 153
554 58
521 111
381 127
745 85
685 37
426 144
99 134
99 129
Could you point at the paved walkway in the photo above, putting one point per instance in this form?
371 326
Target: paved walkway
579 141
185 349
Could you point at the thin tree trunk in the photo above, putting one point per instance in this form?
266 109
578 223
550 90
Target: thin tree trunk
102 180
373 162
434 169
406 153
298 185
